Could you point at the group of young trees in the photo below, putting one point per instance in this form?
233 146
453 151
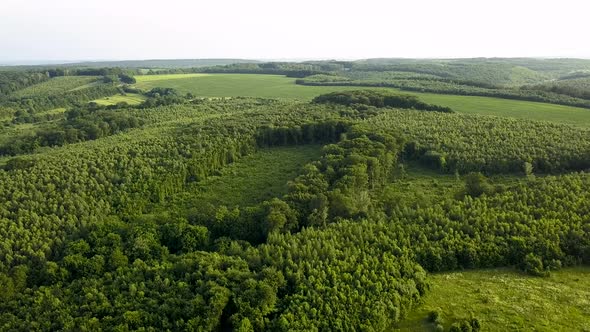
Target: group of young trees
42 89
468 143
379 99
43 102
80 124
576 86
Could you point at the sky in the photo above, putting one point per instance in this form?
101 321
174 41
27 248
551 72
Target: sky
75 30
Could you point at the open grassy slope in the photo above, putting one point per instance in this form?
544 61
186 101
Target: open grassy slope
506 300
232 85
130 98
274 86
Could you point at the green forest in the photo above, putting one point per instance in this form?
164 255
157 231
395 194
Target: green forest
133 200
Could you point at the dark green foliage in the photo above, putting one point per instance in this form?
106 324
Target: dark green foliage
378 99
466 325
81 124
280 68
493 145
435 316
162 97
533 265
476 185
45 102
577 87
127 79
109 79
11 81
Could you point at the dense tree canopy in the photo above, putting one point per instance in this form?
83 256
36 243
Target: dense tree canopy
93 235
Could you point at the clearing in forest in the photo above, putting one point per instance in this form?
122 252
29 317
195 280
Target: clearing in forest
256 177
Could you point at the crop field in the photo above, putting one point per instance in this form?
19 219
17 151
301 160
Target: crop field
507 300
130 98
276 86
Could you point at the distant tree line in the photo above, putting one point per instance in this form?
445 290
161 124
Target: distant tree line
11 81
378 99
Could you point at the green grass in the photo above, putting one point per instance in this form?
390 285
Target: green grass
8 132
53 111
511 108
130 98
254 178
507 300
233 85
420 187
275 86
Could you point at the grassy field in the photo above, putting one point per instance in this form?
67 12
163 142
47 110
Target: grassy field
232 85
511 108
417 186
506 300
274 86
254 178
130 98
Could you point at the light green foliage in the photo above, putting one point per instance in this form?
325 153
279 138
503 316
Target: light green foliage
503 299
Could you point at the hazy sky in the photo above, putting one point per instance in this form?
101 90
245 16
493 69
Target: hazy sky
129 29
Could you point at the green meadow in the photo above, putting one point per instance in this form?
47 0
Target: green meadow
130 98
276 86
507 300
233 85
253 178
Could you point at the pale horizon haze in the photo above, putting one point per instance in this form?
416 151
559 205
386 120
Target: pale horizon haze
74 30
